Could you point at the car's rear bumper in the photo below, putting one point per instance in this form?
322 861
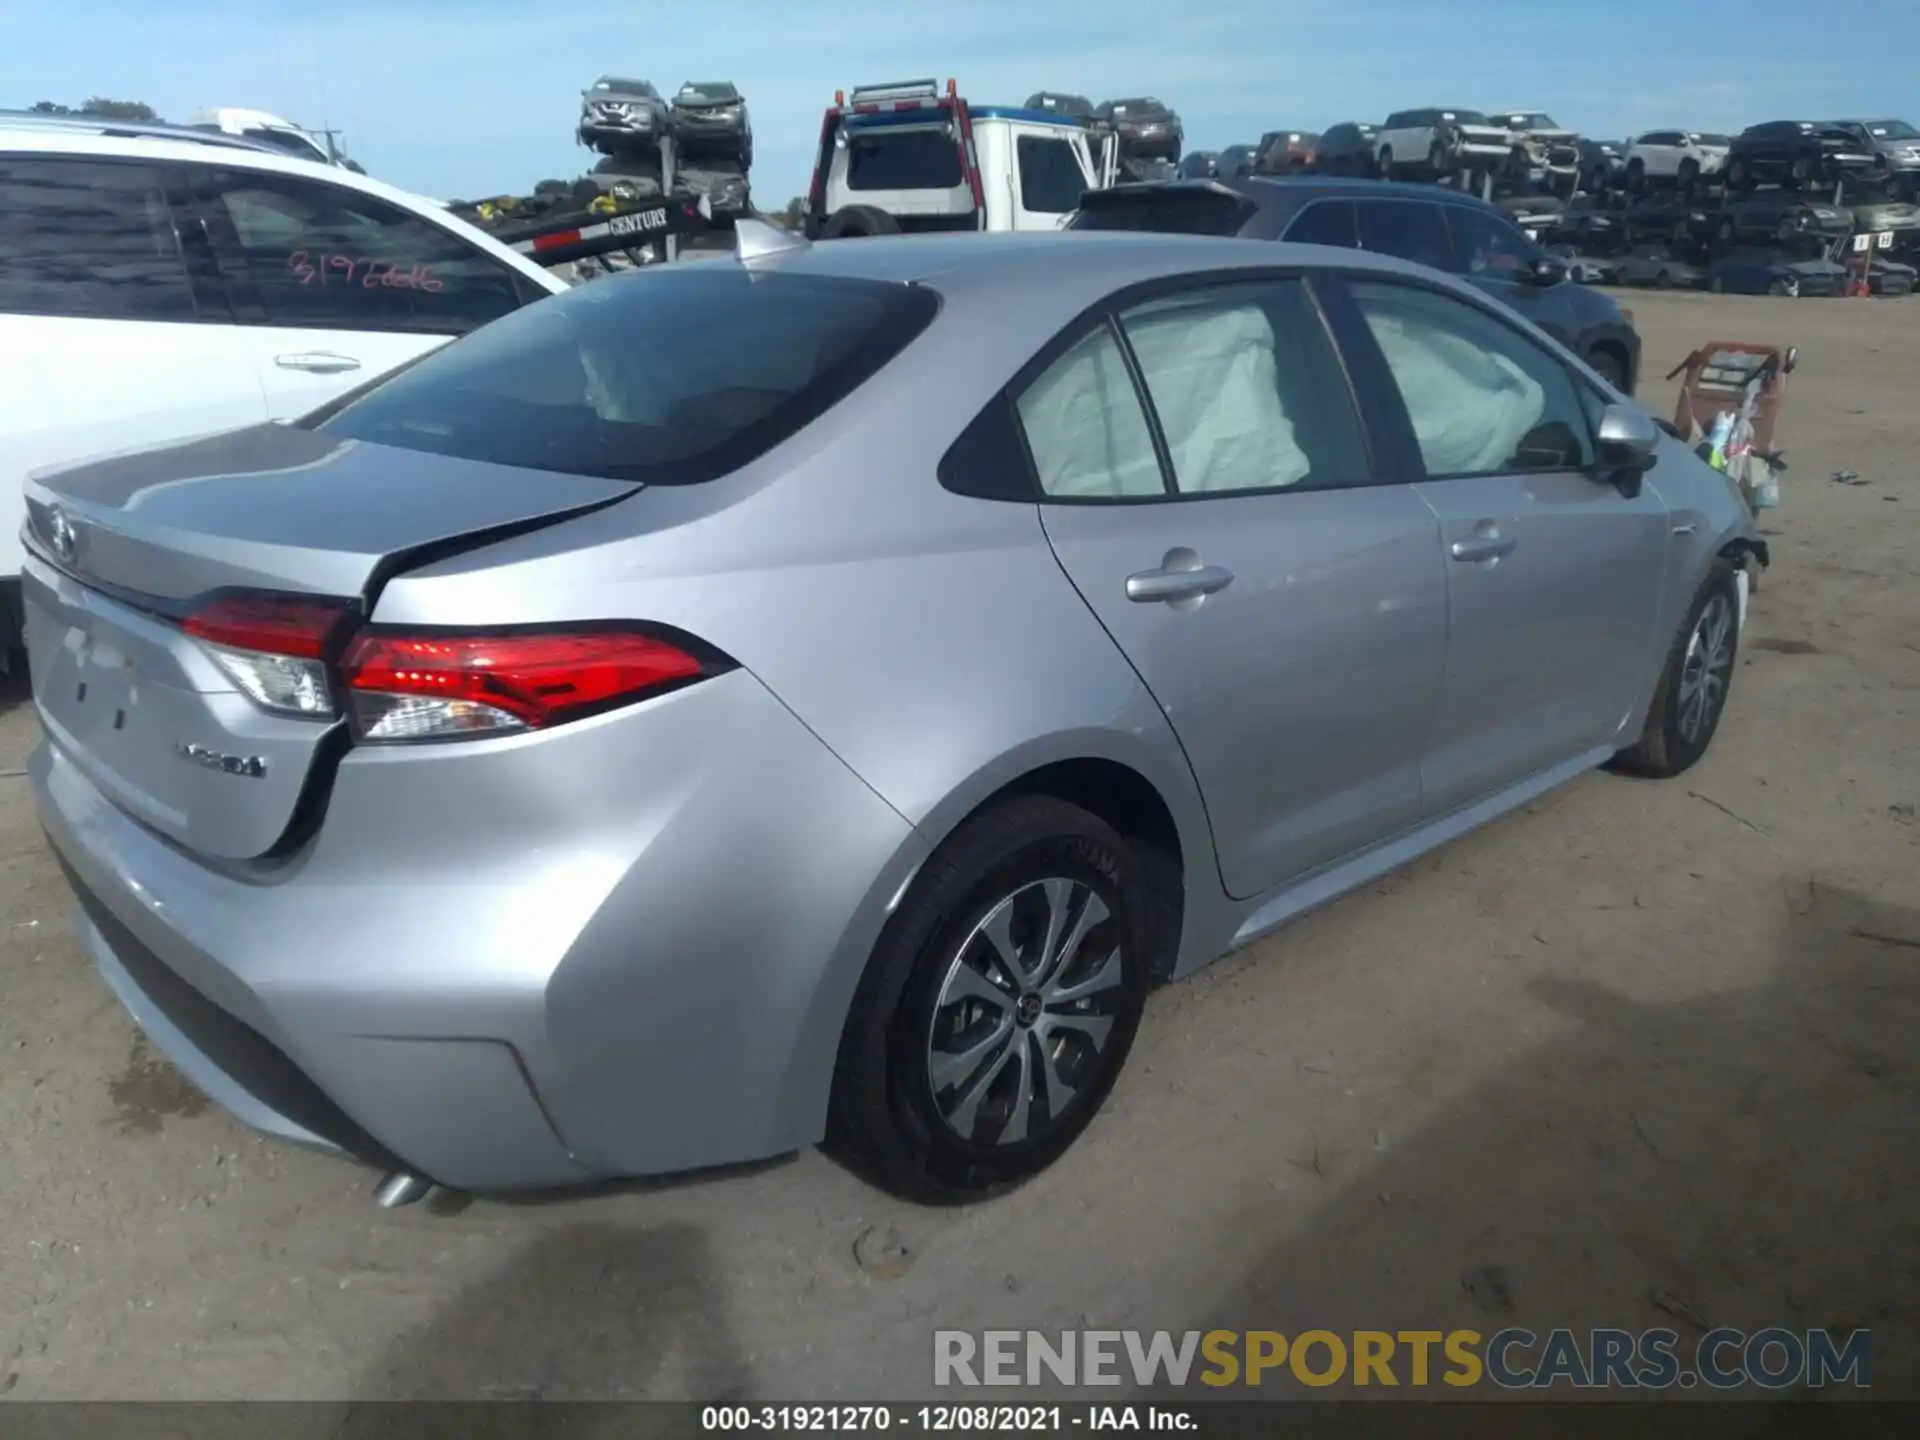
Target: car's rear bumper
625 947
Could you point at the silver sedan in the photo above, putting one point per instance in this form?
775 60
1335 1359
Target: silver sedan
818 695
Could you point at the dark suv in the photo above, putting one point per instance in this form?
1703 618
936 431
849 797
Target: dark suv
1447 229
1805 154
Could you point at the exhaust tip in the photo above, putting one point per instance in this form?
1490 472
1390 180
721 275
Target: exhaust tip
402 1187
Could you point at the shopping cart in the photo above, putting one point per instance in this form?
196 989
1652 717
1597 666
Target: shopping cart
1729 411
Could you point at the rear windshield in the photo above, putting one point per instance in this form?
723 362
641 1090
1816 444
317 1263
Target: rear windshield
1169 212
665 378
903 160
1702 139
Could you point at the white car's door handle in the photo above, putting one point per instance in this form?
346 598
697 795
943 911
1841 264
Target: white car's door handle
317 362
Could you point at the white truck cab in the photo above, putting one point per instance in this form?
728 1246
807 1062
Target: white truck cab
909 157
266 129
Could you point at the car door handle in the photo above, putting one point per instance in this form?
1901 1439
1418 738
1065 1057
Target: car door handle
317 362
1484 547
1170 583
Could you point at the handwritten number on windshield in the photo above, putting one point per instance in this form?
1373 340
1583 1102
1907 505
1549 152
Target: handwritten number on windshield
328 268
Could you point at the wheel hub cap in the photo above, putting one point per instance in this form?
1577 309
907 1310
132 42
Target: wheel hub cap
1020 1027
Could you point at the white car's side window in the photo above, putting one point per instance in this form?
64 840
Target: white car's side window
1482 398
89 238
327 256
1085 428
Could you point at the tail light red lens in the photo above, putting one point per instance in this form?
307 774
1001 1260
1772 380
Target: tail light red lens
272 647
424 686
436 685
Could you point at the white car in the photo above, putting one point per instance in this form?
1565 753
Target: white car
1680 156
1440 141
158 283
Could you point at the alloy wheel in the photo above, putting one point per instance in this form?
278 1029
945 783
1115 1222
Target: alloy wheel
1703 673
1024 1014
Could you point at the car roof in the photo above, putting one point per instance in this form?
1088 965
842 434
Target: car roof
1061 271
81 141
1279 190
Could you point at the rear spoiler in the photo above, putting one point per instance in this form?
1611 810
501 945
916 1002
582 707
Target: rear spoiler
585 233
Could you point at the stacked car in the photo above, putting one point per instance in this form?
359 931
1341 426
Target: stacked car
700 143
1148 129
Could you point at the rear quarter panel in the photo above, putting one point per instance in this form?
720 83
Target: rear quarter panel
930 641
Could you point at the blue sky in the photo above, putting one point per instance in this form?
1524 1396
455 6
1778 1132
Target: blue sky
460 98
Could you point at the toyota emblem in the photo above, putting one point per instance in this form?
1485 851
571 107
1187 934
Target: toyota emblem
60 533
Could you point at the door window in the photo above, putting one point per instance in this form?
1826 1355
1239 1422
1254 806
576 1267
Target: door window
1482 398
1488 245
1326 222
1085 429
1244 385
1409 229
1051 182
314 255
89 238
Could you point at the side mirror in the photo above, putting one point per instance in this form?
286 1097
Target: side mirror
1627 435
1627 439
1544 270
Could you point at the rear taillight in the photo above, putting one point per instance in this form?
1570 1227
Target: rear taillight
436 684
273 647
424 686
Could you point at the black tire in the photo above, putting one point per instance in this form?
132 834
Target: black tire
1718 285
1384 162
1688 176
1802 174
1668 744
1439 160
854 222
1663 279
1636 176
1726 232
553 187
886 1120
1739 177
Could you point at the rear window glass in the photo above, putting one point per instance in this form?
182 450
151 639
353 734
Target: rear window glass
1166 212
903 160
665 378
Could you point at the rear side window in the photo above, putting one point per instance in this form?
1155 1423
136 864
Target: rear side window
903 160
1325 222
311 255
1409 229
665 378
1050 178
1171 212
91 239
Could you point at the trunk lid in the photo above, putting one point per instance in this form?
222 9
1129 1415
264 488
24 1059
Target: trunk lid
123 548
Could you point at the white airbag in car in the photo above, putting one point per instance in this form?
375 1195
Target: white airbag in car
1470 407
1214 386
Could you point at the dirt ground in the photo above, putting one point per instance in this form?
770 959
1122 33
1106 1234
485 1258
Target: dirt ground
1641 1055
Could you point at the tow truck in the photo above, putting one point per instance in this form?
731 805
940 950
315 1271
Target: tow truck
912 157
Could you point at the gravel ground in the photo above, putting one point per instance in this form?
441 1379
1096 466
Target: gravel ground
1643 1054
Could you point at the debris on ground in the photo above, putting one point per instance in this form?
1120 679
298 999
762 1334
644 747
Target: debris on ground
882 1252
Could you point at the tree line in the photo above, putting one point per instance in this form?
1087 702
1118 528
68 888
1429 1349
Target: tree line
102 108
